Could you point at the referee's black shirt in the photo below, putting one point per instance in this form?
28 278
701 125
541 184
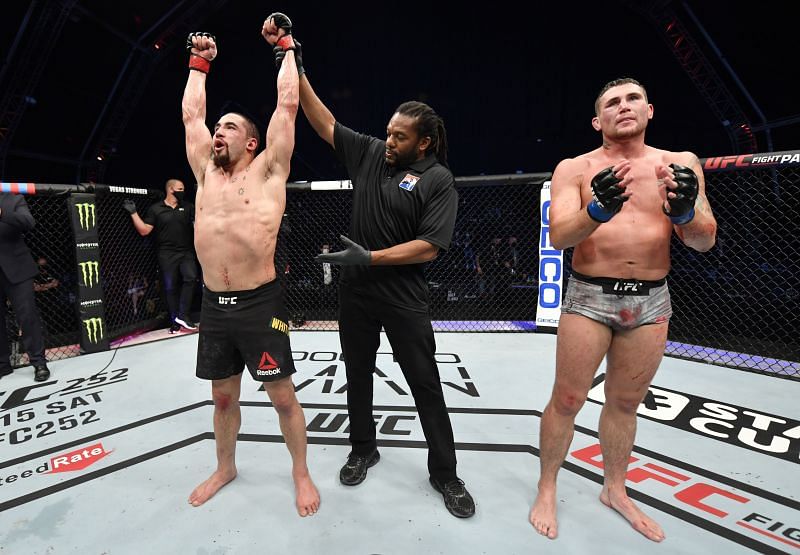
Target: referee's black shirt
173 226
394 205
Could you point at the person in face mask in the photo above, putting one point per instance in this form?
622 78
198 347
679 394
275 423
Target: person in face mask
173 222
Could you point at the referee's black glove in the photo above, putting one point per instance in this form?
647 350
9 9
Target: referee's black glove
353 255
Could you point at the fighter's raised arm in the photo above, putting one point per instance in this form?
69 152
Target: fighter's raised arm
277 31
317 114
202 49
243 319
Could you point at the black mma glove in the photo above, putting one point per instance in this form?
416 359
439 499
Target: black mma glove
353 255
681 208
282 21
280 54
129 206
607 195
201 62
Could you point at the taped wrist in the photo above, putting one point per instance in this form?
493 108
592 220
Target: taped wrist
286 42
280 54
198 63
597 213
685 219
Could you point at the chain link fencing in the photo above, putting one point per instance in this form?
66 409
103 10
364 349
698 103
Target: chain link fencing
736 305
739 304
132 286
52 246
486 279
128 273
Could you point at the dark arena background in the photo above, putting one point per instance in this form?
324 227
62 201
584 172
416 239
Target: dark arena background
101 456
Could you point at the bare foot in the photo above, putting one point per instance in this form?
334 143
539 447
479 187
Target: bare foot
307 500
543 513
640 521
207 489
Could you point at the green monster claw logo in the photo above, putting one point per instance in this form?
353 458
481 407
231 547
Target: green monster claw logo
91 273
86 215
93 326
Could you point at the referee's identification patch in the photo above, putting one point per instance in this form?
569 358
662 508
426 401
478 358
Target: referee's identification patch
408 182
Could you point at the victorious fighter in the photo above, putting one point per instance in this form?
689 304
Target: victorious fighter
240 201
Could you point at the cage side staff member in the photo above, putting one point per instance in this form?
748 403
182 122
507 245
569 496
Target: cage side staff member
173 221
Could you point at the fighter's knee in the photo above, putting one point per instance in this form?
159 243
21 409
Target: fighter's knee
567 403
628 405
223 401
284 404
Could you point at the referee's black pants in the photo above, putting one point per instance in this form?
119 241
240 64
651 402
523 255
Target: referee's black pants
411 337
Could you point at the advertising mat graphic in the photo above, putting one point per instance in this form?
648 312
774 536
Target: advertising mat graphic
67 434
759 431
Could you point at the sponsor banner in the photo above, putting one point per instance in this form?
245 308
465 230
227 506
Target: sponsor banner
83 212
128 190
548 310
759 431
70 461
747 515
751 161
88 269
78 459
94 331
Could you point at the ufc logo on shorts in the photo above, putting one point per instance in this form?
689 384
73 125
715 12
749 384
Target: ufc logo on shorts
227 300
624 286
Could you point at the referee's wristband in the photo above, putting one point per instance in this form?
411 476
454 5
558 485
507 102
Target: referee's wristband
198 63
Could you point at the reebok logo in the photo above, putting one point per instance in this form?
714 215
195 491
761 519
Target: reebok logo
267 366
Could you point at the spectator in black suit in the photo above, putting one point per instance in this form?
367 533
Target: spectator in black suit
17 273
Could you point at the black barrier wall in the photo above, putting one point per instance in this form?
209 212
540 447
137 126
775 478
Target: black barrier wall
83 209
736 305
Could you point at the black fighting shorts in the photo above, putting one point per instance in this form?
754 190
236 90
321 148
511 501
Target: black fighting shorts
244 327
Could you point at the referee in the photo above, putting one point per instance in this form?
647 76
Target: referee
173 222
404 210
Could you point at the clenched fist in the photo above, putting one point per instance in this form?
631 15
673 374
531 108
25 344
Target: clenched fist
277 30
203 45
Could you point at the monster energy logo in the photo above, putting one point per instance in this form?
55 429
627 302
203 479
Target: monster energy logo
93 327
91 273
86 214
